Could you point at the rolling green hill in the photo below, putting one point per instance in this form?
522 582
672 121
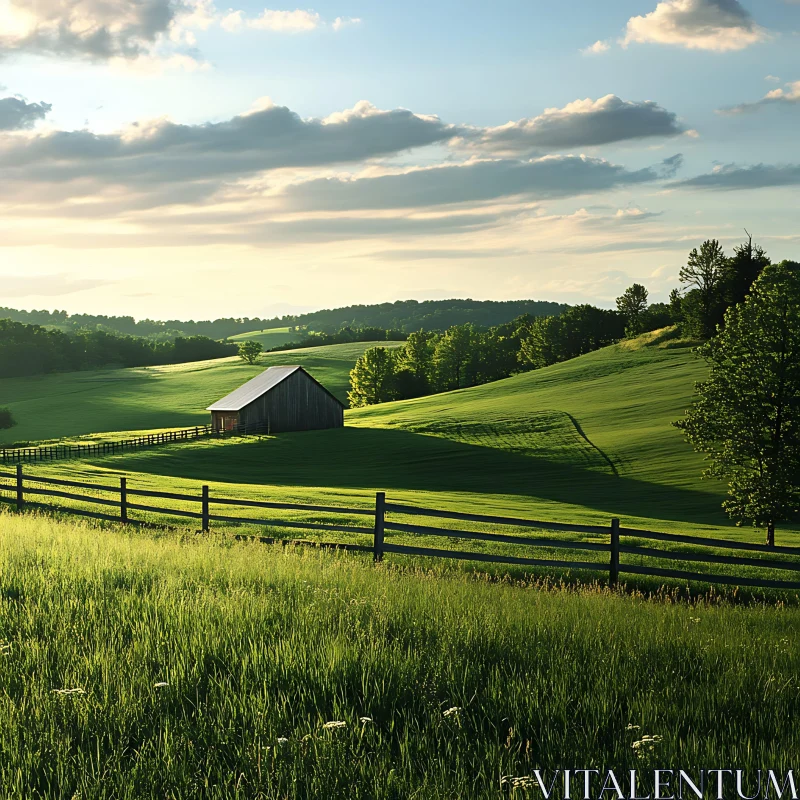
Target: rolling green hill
269 338
74 403
580 441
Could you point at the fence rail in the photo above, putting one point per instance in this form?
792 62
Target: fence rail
19 455
16 488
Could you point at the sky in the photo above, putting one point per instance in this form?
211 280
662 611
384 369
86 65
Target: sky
181 159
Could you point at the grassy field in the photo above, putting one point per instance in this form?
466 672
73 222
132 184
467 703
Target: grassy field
269 338
149 667
70 404
581 441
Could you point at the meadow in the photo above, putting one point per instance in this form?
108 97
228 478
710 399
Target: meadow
268 338
170 665
581 441
66 405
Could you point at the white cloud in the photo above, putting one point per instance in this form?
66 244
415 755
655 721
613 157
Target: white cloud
790 96
582 123
597 48
772 78
345 22
717 25
146 31
296 21
277 21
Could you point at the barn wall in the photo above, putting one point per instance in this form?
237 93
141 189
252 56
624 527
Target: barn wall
295 404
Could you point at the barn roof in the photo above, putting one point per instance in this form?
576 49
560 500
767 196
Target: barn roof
258 386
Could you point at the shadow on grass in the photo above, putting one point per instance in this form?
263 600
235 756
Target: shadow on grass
385 459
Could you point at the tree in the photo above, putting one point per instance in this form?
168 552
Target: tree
417 355
675 305
742 269
250 351
746 416
632 306
454 351
705 271
6 419
372 379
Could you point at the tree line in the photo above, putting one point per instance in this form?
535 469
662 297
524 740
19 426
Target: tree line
34 350
466 355
403 315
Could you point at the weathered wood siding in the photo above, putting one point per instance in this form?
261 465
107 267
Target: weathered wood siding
295 404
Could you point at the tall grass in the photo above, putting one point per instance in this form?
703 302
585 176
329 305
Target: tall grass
139 666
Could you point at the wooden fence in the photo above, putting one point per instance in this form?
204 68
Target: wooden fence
611 542
18 455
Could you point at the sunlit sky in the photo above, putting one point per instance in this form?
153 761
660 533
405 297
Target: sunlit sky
173 158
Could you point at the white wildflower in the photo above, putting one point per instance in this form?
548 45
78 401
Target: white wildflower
334 725
646 745
365 720
632 727
452 712
160 685
522 782
76 690
282 740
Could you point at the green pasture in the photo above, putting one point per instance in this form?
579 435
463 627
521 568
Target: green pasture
269 338
582 442
65 405
151 666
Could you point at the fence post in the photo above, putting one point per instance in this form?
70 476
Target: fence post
613 573
205 509
123 499
20 497
380 517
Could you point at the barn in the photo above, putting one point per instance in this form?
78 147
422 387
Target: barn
279 399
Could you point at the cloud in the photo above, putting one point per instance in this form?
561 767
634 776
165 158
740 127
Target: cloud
582 123
150 31
161 153
790 96
772 78
297 21
345 22
733 176
471 182
459 254
16 114
46 285
96 29
597 48
718 25
670 166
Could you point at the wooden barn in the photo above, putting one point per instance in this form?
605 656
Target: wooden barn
279 399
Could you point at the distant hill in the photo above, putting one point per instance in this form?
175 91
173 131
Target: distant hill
404 315
412 315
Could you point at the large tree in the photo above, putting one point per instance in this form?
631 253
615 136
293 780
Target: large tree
743 269
250 351
704 274
632 305
372 379
455 350
746 416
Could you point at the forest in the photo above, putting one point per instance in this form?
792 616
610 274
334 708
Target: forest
403 315
467 355
34 350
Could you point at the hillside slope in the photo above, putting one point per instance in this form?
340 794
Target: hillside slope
579 441
75 403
